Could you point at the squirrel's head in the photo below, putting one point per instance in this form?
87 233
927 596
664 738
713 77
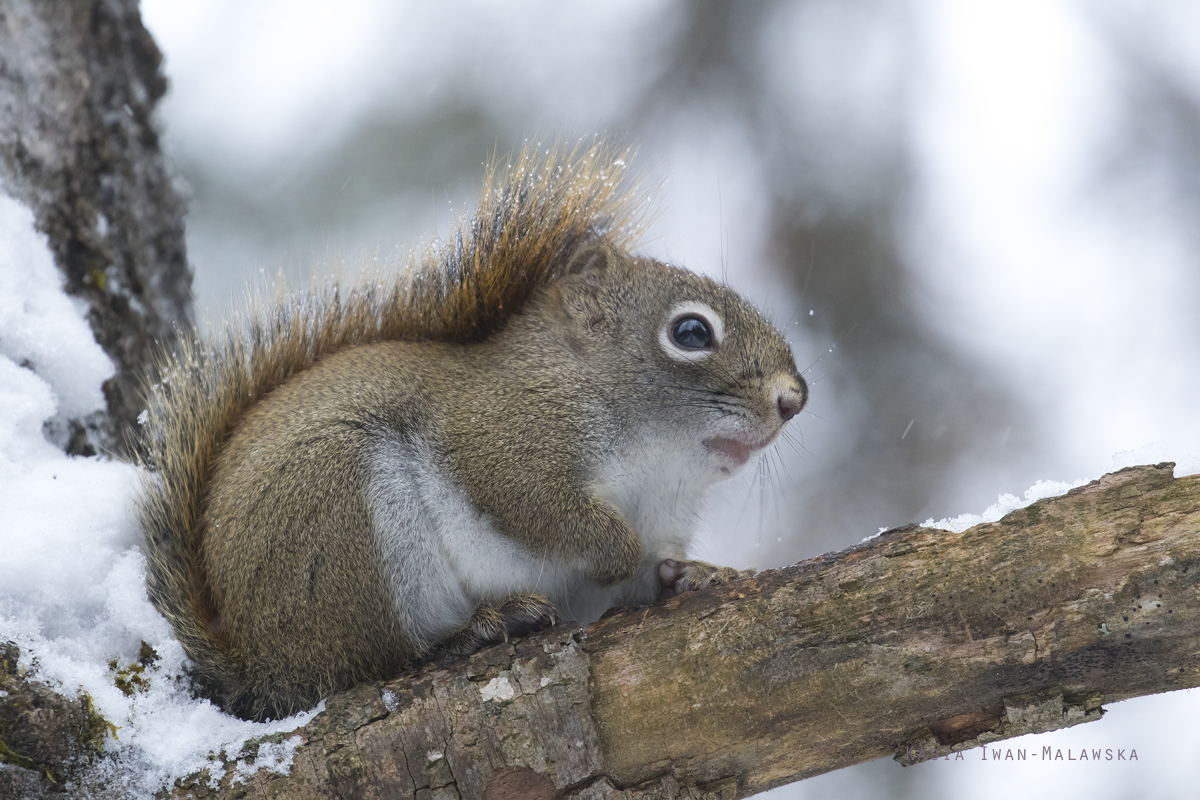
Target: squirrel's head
712 377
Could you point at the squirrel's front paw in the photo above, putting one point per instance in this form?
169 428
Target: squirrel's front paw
685 576
515 615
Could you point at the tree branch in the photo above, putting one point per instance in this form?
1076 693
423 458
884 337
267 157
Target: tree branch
918 637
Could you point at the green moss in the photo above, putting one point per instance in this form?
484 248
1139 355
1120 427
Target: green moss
76 718
133 678
95 726
10 756
147 655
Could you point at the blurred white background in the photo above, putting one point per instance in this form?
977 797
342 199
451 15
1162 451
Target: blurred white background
977 222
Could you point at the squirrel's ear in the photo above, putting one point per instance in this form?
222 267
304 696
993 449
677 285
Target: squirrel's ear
578 294
593 258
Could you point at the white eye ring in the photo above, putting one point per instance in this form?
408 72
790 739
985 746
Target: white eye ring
691 308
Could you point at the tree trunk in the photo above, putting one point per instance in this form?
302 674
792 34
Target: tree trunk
915 642
79 80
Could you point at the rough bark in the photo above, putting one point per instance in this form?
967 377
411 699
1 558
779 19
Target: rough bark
918 638
45 739
79 80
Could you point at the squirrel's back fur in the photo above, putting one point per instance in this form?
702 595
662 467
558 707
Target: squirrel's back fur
534 216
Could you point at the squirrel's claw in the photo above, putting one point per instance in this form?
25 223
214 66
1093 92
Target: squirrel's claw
675 577
514 616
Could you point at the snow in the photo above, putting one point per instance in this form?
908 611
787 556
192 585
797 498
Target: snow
1006 503
273 756
1003 505
42 327
72 595
1043 489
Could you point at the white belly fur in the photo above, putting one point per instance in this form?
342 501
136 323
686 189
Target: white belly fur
442 558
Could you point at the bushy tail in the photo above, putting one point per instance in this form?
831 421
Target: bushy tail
534 214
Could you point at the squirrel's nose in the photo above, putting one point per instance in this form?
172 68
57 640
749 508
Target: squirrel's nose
790 401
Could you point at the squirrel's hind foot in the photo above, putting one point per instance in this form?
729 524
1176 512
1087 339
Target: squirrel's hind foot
676 577
492 623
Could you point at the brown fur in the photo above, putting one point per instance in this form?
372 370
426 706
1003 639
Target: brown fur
533 216
525 358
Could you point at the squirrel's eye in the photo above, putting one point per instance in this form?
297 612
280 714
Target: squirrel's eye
692 332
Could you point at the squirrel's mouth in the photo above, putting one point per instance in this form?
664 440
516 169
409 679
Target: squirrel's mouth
737 451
